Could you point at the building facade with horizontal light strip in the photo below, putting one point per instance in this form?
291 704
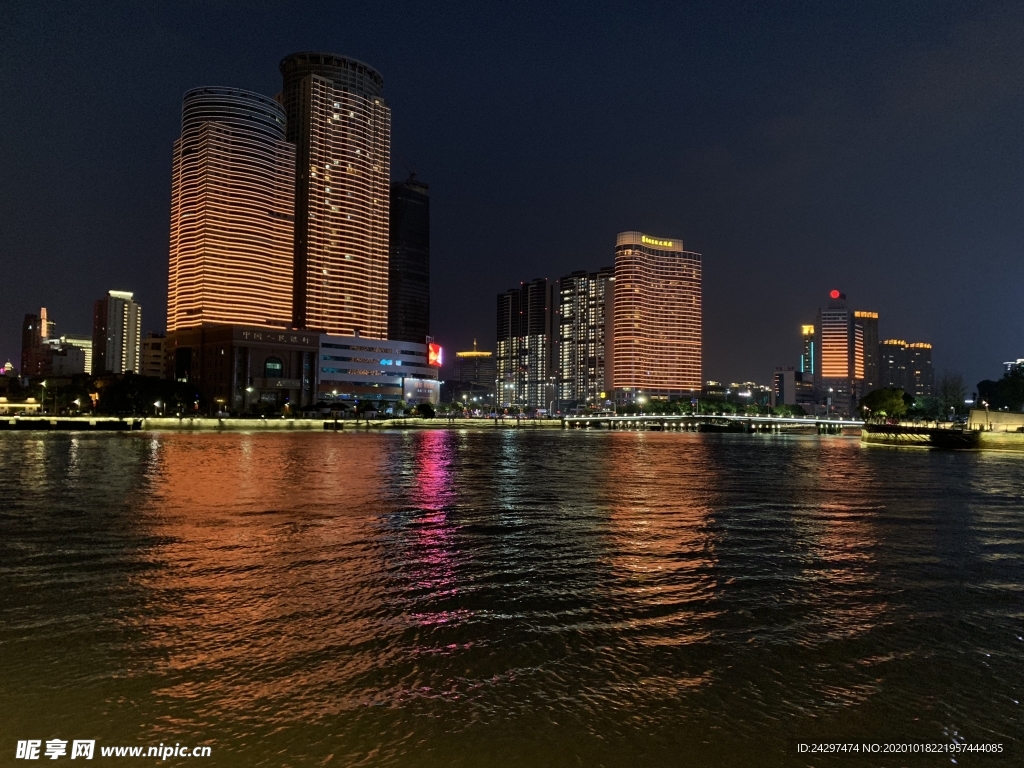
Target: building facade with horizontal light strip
232 212
657 318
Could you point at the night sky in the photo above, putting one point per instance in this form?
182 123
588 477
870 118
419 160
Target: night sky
873 147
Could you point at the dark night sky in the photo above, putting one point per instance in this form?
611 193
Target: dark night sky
874 147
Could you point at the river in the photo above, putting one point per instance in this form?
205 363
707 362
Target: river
509 598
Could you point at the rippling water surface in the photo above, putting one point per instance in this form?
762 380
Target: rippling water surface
508 598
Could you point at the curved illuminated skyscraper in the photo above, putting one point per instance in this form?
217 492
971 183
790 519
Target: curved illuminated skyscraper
341 128
657 316
232 205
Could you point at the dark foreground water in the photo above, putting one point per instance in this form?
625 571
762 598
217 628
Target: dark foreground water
508 598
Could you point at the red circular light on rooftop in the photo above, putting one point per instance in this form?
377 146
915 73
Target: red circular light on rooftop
834 293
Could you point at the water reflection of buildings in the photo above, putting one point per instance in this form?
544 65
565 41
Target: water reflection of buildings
662 545
432 563
254 569
834 591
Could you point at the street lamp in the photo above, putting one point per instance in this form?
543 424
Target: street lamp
42 399
156 408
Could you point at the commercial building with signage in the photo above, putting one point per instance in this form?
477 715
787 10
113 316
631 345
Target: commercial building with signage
354 368
244 368
657 317
848 362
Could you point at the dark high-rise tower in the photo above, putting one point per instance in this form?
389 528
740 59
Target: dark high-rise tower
868 322
341 128
35 330
409 262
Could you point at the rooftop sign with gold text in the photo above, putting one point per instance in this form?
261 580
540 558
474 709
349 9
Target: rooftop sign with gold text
651 241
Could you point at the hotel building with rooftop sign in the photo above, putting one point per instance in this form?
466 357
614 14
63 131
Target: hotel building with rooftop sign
657 318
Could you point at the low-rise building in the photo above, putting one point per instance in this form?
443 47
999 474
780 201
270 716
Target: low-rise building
27 407
792 387
65 359
354 368
154 353
473 376
245 368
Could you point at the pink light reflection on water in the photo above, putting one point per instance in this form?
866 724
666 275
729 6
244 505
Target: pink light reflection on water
433 494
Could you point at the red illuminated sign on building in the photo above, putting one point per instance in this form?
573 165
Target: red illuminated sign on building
434 354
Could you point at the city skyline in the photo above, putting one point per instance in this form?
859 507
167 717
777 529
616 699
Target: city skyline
490 235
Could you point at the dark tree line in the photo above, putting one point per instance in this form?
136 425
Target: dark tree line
1005 393
122 395
893 403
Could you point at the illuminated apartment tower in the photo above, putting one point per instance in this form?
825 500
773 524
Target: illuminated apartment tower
232 205
920 374
582 339
523 359
656 316
907 367
892 357
116 334
341 129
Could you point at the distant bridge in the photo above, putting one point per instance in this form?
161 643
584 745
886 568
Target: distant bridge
710 423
